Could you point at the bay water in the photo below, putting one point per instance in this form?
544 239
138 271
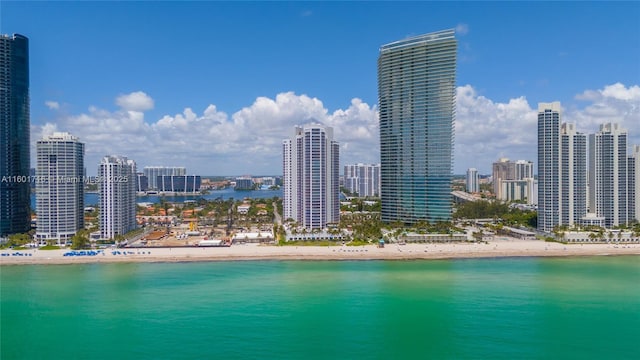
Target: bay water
508 308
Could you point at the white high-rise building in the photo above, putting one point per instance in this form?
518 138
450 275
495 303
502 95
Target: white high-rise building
548 166
311 164
608 195
59 187
634 183
117 186
363 179
473 181
573 157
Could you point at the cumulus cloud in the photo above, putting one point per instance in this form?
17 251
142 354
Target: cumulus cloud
53 105
135 101
210 141
213 142
462 29
487 130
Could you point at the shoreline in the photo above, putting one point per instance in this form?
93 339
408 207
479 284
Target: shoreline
253 252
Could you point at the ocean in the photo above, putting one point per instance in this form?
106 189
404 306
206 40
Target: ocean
507 308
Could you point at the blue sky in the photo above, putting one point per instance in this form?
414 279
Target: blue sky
216 86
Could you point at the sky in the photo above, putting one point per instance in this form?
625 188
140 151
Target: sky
216 86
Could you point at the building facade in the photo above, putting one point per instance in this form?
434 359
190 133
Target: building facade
311 165
507 170
362 179
15 189
573 168
634 183
416 94
179 184
548 166
608 178
117 184
60 187
473 181
152 173
525 190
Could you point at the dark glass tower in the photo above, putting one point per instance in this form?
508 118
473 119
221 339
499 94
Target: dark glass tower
14 135
416 93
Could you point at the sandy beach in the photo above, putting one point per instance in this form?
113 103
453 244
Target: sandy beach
495 248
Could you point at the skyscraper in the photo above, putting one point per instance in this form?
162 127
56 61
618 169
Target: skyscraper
473 182
416 93
311 165
573 174
60 192
608 196
548 166
634 183
117 176
14 135
363 179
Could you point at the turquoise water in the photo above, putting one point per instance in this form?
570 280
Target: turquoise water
526 308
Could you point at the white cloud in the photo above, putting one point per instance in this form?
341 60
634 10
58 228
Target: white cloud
135 101
486 130
53 105
462 29
211 142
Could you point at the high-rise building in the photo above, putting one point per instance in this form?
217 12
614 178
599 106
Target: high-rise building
473 181
152 173
117 184
548 166
311 165
506 170
573 169
608 195
362 179
60 187
14 135
634 183
416 94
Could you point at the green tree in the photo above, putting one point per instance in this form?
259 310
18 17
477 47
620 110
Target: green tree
80 240
18 239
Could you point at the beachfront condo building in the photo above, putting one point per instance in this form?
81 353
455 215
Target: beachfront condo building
60 187
548 166
633 163
473 180
117 184
416 95
608 175
152 173
362 179
562 170
14 135
573 170
311 166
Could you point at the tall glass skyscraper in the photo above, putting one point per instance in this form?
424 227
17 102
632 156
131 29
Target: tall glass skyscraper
14 135
416 94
